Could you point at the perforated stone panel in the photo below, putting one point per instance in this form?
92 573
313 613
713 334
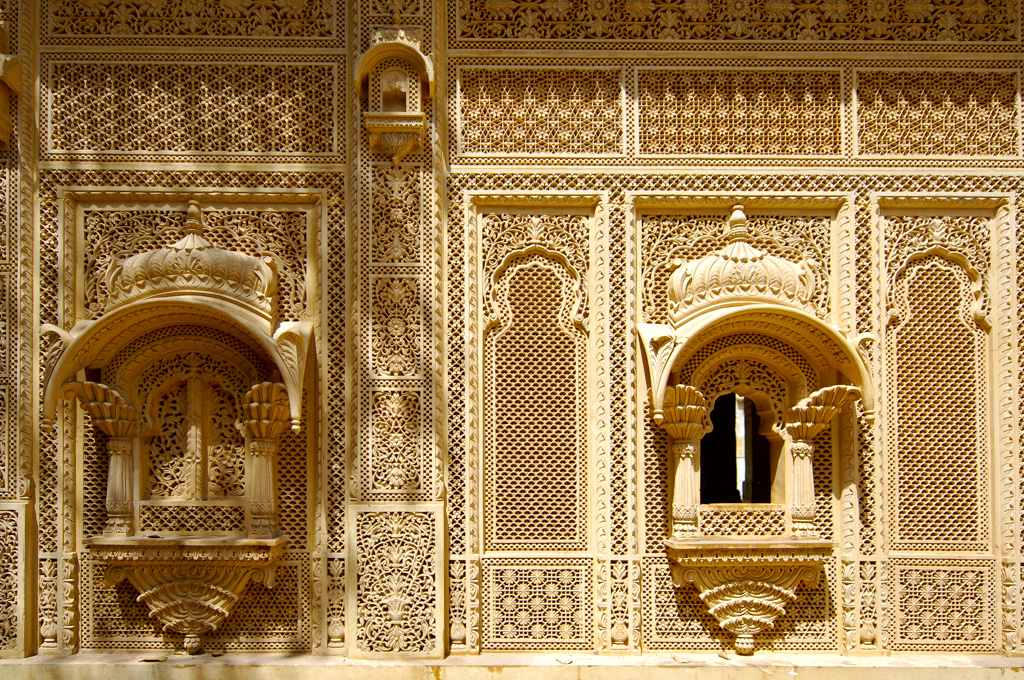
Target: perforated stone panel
944 605
701 112
938 457
537 604
279 109
536 461
938 113
536 112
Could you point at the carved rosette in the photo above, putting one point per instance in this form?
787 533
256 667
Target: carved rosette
189 585
747 586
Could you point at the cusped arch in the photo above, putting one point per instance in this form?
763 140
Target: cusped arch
828 350
92 344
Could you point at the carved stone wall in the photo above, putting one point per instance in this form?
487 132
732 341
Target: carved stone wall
475 204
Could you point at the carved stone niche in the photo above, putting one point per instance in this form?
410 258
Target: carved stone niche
395 80
769 341
200 379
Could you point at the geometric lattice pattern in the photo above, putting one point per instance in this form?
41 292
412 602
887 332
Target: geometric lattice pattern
535 112
279 109
944 605
695 112
535 462
938 463
540 604
938 113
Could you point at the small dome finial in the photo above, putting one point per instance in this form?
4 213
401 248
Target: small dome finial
737 224
193 218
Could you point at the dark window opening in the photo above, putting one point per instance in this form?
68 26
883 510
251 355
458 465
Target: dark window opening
735 458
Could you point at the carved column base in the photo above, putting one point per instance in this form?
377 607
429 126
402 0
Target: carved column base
746 585
190 585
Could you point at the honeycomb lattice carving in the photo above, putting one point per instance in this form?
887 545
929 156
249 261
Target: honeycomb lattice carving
716 522
397 327
945 606
939 453
775 113
535 386
242 109
396 584
596 24
540 604
938 113
190 18
537 112
118 234
172 519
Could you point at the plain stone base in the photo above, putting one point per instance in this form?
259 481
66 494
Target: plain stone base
513 667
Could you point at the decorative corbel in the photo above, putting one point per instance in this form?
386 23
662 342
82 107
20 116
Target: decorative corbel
119 421
265 415
804 422
657 349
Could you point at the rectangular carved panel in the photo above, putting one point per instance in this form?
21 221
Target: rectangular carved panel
396 582
189 109
938 113
705 112
663 23
540 111
189 19
944 605
537 604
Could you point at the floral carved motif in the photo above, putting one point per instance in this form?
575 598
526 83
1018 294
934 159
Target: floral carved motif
396 449
9 600
937 113
191 18
396 214
396 584
596 22
962 238
397 327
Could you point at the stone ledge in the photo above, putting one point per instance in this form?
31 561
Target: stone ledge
514 667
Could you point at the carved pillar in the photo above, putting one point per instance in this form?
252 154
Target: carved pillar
116 419
804 422
265 415
686 420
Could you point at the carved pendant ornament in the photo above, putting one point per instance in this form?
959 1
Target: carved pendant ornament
182 410
746 583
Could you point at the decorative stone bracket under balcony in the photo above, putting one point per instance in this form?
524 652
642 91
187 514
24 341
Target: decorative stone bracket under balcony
191 584
748 584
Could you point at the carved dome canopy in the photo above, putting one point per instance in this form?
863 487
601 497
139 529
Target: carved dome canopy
193 265
738 272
